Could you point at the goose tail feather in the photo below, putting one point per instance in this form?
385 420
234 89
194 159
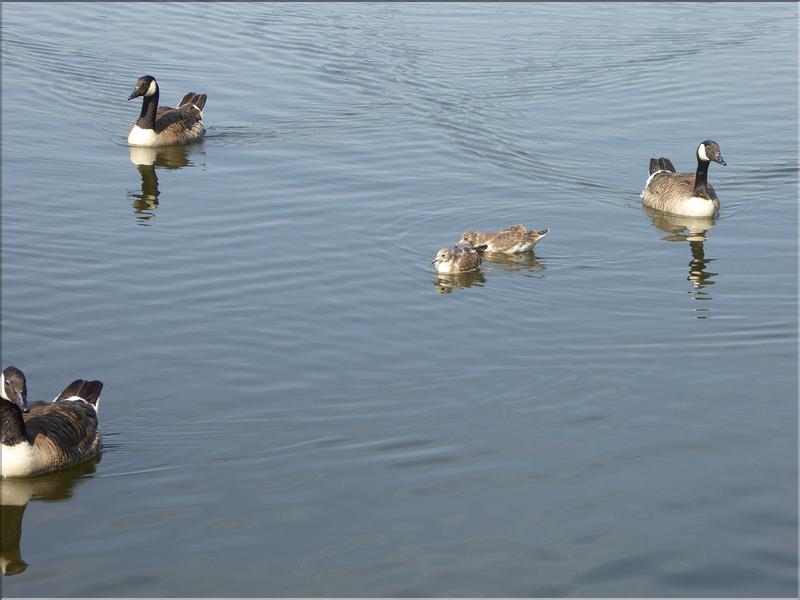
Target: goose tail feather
198 100
88 391
661 164
666 165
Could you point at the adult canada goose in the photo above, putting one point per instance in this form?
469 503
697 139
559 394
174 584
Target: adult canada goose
49 436
461 259
683 193
163 125
511 240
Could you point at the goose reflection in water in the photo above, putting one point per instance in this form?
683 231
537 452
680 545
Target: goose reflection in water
445 284
523 261
693 230
147 160
14 497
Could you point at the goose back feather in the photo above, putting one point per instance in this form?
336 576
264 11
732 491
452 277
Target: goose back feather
63 433
510 240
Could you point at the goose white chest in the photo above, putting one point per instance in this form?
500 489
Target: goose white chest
142 137
447 268
697 207
18 460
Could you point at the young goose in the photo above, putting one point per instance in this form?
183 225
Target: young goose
683 193
50 436
460 259
511 240
162 125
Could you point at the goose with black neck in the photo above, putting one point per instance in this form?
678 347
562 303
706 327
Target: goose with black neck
688 194
164 125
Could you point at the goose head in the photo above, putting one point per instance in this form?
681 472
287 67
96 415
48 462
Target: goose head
145 86
708 151
469 237
443 256
14 388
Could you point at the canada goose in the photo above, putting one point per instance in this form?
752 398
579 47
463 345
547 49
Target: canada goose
162 125
683 193
510 240
460 259
49 436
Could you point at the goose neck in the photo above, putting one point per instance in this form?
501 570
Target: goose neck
147 117
701 179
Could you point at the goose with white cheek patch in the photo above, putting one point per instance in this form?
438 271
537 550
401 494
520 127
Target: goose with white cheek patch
163 125
50 436
461 259
687 194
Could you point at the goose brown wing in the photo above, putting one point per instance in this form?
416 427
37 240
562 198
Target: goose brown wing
65 432
484 237
669 185
469 259
162 110
510 237
177 120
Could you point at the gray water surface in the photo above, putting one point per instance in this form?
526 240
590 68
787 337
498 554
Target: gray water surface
296 405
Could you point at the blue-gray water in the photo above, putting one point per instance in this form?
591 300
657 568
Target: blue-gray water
295 405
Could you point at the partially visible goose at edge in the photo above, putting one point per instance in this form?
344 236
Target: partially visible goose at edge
683 193
49 436
163 125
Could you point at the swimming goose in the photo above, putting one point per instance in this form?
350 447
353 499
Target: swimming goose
49 436
683 193
511 240
163 125
460 259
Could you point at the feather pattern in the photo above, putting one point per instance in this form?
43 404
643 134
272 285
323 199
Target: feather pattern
510 240
62 433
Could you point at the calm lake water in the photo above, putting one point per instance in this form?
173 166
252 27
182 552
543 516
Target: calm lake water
296 405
